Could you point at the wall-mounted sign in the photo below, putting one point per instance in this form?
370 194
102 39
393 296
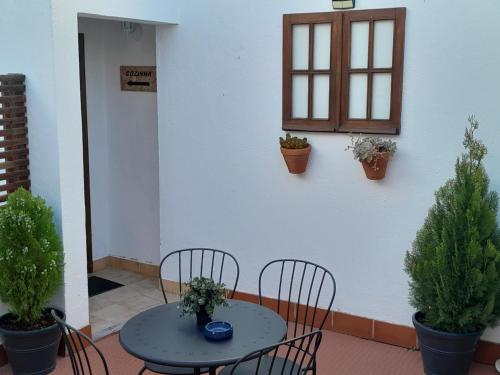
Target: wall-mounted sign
343 4
138 78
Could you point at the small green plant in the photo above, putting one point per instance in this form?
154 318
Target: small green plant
454 265
290 142
31 257
202 294
369 148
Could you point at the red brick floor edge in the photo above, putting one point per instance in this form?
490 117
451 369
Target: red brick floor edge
371 329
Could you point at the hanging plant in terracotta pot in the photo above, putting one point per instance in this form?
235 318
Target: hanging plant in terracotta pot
374 154
295 152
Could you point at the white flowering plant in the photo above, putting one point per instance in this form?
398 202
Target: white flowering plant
369 148
31 257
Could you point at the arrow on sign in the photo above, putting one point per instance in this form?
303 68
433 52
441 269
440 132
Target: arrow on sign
131 83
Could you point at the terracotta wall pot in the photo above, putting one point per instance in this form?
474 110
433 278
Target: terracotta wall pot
375 170
296 159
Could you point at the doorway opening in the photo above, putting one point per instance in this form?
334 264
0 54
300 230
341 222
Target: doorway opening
120 153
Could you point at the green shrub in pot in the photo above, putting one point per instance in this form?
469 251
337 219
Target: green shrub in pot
454 265
31 272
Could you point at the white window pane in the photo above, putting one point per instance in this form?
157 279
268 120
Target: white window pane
357 96
300 47
300 94
381 96
322 41
382 43
359 44
321 96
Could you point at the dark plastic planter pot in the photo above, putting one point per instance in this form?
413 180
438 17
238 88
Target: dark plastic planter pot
202 318
32 352
445 353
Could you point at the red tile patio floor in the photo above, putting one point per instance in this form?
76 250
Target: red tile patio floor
339 355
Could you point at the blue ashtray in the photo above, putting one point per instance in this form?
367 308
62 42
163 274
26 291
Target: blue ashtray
218 331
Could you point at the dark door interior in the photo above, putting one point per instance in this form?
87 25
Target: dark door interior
86 177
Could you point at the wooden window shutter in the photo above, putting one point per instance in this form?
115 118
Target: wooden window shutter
318 72
14 160
364 74
372 81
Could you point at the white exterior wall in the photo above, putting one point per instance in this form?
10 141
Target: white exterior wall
123 144
68 118
42 37
224 184
65 52
32 24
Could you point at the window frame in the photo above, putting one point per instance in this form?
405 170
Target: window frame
340 71
334 73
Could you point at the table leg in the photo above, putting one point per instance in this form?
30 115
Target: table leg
212 370
197 371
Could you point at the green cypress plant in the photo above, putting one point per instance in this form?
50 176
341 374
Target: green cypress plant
31 257
454 265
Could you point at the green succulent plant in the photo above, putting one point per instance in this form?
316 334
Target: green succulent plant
290 142
202 293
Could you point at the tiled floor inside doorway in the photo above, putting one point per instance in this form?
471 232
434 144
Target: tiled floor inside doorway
110 310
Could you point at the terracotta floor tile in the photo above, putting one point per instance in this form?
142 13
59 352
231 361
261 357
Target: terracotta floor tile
339 355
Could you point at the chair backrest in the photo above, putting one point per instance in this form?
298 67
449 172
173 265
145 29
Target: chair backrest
291 357
301 287
77 344
181 266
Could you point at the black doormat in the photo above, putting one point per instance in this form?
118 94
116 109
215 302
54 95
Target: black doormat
98 285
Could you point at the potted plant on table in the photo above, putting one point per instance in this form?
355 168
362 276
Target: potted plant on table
201 297
454 266
374 154
295 152
31 270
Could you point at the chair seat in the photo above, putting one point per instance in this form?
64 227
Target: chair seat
249 367
169 370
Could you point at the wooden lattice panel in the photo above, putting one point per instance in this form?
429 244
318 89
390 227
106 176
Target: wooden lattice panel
14 154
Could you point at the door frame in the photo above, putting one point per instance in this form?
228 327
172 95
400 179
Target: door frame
85 143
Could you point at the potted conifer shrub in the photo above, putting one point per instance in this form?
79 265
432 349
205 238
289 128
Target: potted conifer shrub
454 266
295 152
374 154
31 270
201 297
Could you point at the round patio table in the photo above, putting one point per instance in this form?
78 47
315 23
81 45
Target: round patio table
162 337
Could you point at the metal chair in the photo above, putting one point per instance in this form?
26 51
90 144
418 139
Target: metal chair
293 357
76 344
198 262
301 284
